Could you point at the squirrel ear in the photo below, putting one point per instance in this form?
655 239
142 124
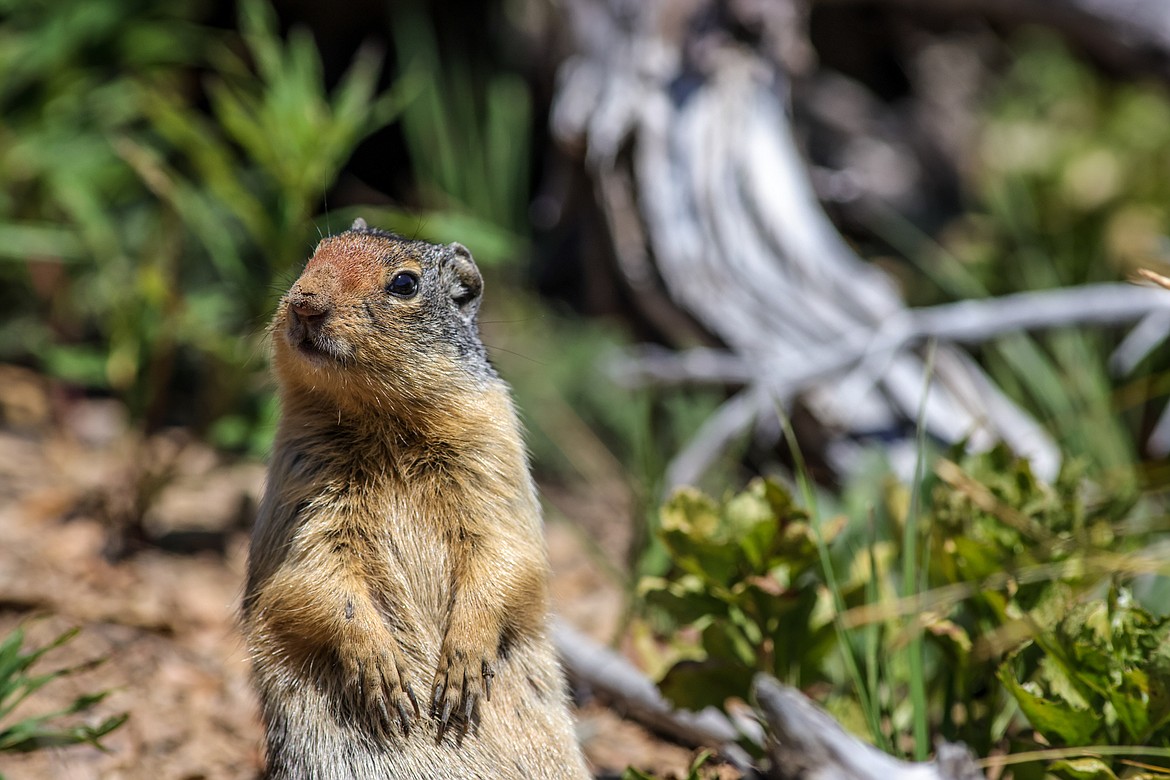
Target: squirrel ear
359 224
466 284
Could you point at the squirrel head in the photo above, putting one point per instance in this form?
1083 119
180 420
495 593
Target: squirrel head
376 319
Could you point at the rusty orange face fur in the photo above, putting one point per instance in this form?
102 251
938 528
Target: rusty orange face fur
364 290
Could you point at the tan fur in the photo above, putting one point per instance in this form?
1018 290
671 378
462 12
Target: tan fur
398 556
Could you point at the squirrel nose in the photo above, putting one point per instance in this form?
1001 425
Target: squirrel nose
306 310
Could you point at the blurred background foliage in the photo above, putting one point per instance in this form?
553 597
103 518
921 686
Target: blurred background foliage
1063 185
1067 187
166 178
167 169
145 231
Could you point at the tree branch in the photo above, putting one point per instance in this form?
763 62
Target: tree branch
972 321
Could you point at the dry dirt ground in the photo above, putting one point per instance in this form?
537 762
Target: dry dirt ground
141 543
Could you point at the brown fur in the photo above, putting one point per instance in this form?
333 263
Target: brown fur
396 604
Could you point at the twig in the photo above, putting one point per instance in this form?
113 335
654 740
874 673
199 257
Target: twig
968 322
872 355
1146 336
1153 276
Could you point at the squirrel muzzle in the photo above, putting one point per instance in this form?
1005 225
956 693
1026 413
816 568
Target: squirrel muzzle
308 315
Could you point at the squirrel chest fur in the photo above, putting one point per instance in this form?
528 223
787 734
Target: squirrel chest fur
396 602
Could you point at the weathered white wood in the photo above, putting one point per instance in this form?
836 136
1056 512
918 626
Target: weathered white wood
802 741
711 207
618 682
805 743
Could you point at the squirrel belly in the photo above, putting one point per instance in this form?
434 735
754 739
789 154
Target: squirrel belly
396 606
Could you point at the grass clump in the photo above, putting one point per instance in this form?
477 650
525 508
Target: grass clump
19 681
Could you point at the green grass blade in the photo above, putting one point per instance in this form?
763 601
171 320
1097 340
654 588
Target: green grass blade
868 706
912 573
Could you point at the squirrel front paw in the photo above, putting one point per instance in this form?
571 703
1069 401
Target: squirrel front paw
462 678
374 676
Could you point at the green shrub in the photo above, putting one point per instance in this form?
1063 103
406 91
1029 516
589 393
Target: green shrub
1096 672
1002 598
745 580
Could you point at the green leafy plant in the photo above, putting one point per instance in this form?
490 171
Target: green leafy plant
149 232
18 682
70 205
1005 556
1097 674
745 586
1066 189
1001 543
292 138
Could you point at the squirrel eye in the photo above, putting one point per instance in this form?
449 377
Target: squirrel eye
404 284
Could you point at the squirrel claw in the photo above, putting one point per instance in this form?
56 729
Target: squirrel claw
385 713
377 689
468 707
460 684
404 718
406 687
445 718
437 696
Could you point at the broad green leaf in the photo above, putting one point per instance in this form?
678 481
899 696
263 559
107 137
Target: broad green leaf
1055 720
685 600
728 641
691 529
752 524
1130 700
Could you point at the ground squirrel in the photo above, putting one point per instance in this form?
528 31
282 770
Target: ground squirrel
396 603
